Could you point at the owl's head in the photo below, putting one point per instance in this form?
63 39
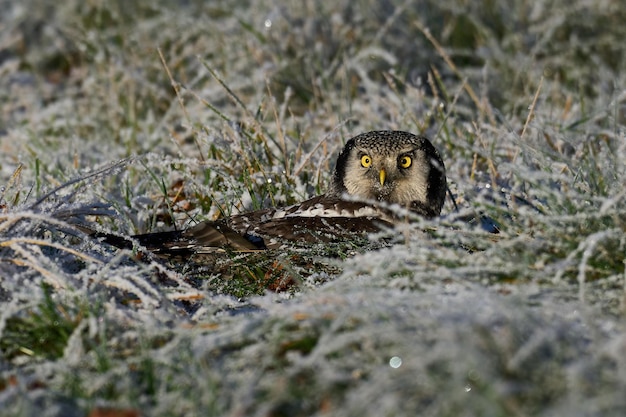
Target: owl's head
393 167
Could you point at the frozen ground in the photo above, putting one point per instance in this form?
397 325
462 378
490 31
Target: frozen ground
132 117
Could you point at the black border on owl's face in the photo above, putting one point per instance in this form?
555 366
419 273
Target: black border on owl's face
337 187
428 187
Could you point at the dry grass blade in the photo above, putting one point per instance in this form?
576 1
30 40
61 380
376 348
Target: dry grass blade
531 109
50 277
38 242
480 104
14 179
175 85
108 169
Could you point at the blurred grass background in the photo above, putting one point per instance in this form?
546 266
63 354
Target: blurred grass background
220 107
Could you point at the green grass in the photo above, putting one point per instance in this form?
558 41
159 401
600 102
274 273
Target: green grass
150 116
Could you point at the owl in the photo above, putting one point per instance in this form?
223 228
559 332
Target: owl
377 175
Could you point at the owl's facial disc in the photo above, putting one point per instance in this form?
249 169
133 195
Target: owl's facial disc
395 177
394 167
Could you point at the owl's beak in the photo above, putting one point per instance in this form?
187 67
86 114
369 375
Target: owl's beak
382 176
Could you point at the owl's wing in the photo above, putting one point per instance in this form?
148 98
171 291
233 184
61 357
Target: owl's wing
276 232
205 237
320 219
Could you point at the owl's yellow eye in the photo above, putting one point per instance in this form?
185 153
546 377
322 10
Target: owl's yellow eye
405 161
366 161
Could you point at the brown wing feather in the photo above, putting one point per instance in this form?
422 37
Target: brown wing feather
319 219
218 234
